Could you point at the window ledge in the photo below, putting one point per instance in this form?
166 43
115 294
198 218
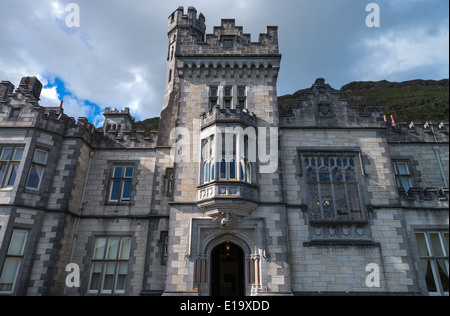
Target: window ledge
240 182
124 203
340 242
338 222
32 191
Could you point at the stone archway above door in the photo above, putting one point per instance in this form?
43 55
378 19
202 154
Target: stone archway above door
206 235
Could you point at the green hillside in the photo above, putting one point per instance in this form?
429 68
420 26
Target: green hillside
147 125
415 100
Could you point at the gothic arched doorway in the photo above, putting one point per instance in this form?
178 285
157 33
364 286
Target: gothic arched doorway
227 270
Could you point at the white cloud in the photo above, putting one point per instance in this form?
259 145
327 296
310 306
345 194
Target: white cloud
117 57
406 4
110 60
404 51
49 97
74 107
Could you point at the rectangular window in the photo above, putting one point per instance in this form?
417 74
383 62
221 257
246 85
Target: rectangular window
242 97
228 169
110 265
228 97
208 162
333 188
37 169
169 181
15 112
433 252
121 183
10 157
213 95
228 92
402 175
14 257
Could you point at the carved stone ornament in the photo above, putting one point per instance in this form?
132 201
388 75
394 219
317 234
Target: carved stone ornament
346 231
225 219
324 108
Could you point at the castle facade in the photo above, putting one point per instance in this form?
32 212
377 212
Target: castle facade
228 197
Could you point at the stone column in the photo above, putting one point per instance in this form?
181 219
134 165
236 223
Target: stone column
256 271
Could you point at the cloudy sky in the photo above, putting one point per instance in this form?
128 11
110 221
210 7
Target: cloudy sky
117 56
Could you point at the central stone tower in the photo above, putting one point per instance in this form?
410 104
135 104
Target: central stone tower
228 222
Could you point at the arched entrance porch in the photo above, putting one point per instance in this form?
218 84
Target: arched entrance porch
242 264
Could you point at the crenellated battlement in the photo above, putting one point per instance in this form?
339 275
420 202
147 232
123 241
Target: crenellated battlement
30 87
193 21
20 109
229 40
227 115
117 120
125 139
430 197
413 132
6 88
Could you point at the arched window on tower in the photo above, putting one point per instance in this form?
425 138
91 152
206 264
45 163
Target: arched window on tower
208 162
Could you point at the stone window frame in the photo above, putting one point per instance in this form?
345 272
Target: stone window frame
213 96
15 113
399 176
229 159
7 165
37 164
414 169
48 172
17 256
169 181
107 182
419 229
116 261
123 179
242 99
360 174
164 246
207 165
238 97
228 96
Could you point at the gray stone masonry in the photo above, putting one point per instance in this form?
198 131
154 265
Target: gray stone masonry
286 236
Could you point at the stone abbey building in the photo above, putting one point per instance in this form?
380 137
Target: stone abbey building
228 197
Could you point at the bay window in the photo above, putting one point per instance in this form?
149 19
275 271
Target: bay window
229 156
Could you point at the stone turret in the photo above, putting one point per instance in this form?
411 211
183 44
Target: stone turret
6 88
186 26
30 85
116 120
193 21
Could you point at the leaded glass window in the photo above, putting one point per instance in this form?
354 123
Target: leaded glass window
333 188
